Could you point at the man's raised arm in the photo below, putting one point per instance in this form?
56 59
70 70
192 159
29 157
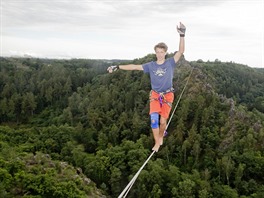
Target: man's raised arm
181 30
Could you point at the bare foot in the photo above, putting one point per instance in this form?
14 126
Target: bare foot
156 147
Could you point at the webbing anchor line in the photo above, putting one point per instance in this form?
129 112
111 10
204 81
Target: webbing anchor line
130 184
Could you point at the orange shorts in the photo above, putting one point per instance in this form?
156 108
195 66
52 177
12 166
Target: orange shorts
164 108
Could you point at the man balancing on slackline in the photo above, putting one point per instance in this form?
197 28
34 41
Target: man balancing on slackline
161 76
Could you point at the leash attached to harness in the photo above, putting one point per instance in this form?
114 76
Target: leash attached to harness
165 132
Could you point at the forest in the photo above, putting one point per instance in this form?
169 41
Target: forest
70 129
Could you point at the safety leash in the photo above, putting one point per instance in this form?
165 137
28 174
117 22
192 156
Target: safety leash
165 132
130 184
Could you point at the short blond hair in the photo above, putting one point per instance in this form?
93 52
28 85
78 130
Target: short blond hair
162 46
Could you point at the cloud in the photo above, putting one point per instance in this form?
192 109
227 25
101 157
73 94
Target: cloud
102 14
129 29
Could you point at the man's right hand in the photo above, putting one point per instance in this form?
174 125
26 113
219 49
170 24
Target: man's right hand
112 68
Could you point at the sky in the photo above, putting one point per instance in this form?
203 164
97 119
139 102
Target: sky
227 30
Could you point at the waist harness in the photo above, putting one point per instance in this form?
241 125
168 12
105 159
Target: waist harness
161 97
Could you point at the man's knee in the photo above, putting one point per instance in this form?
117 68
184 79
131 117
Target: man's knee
154 117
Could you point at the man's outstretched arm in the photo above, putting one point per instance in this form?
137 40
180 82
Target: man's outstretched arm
124 67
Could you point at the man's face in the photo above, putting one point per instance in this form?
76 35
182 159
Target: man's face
160 53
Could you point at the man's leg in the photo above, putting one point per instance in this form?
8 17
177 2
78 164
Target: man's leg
163 123
164 115
154 118
157 139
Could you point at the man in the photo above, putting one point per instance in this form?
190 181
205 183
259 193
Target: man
161 76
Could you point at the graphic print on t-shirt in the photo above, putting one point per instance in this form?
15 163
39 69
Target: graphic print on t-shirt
160 71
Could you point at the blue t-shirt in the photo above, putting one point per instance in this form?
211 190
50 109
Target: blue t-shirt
161 76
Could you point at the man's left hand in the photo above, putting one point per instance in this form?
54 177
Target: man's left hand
181 29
